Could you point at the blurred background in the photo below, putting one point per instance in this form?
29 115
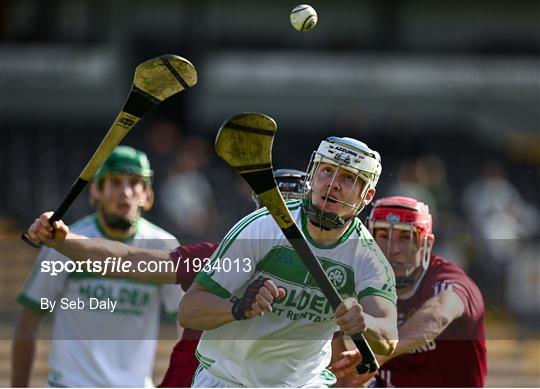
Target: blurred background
448 92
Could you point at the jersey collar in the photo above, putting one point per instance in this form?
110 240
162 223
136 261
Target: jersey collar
343 238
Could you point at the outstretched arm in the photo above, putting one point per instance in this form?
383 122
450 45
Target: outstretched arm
81 248
428 322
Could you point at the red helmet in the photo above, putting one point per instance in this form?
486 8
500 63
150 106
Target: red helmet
402 210
405 213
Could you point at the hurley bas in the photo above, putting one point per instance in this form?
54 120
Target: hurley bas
92 304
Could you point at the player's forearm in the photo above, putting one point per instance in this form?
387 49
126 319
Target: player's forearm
22 358
381 334
80 248
338 346
202 310
425 324
23 348
417 332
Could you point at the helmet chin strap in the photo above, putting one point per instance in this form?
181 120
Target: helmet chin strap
405 281
329 220
414 278
324 220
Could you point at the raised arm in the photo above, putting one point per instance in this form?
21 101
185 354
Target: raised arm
81 248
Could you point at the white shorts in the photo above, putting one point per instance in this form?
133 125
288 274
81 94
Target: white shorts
203 379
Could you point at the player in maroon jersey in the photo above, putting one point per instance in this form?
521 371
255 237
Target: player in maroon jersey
187 258
440 309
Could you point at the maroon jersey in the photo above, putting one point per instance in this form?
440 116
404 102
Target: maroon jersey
457 357
183 363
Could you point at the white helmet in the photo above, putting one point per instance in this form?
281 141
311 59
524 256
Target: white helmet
349 154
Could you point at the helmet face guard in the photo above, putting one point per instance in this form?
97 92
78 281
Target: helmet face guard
290 183
403 214
339 159
408 246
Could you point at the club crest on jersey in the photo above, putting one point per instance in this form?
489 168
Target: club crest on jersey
393 218
337 276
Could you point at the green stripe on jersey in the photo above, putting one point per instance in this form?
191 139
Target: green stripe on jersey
30 304
377 292
107 236
342 239
199 369
368 242
206 280
53 384
204 361
235 231
233 234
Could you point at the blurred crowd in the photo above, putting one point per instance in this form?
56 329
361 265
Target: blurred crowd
485 224
486 215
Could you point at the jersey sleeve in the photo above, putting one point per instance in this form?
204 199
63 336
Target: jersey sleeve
452 278
170 244
235 260
189 260
375 277
170 297
42 282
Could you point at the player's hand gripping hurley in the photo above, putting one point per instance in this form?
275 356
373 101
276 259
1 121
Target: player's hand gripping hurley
245 143
155 81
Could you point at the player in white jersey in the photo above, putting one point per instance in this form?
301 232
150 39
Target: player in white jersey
183 362
105 330
266 322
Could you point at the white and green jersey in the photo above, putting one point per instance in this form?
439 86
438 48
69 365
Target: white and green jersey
104 346
292 345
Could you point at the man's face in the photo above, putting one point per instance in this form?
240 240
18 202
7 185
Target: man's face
401 248
333 186
122 196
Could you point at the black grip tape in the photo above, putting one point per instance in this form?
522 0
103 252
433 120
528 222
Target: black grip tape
260 181
75 190
139 103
